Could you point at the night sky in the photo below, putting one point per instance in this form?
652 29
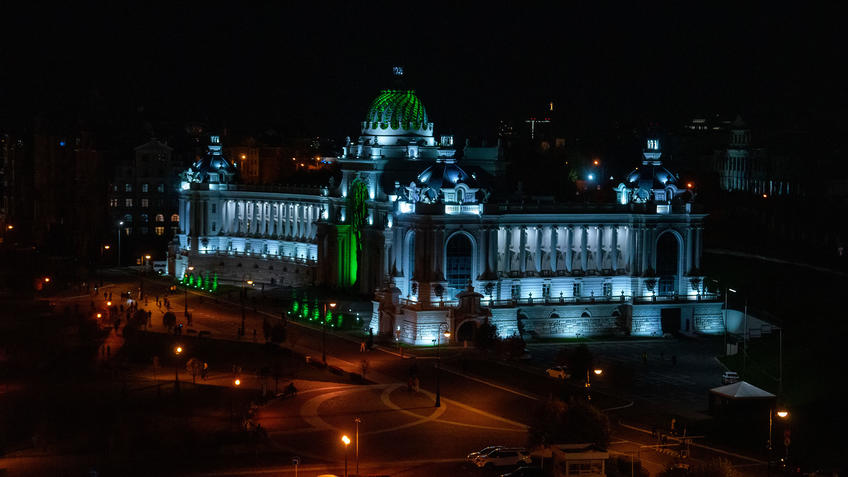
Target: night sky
313 70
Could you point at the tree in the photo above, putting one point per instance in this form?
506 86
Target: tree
486 337
169 320
580 360
714 468
194 366
513 347
556 422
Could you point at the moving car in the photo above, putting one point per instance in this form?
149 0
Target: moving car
524 472
502 457
484 451
729 377
560 372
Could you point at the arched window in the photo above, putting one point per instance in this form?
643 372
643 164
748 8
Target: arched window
144 218
175 218
160 218
128 218
458 262
667 263
460 195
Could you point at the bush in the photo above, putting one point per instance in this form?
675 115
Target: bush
556 422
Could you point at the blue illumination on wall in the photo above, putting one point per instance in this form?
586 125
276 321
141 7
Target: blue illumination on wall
61 143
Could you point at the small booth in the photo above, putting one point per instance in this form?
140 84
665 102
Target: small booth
583 460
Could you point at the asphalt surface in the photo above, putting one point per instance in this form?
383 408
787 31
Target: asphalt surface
402 433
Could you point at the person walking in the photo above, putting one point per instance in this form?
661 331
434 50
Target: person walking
362 346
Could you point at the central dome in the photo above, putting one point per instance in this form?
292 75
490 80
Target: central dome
396 109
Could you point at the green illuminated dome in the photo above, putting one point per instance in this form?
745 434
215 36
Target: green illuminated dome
397 109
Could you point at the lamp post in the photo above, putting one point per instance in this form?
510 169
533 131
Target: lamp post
324 332
243 299
177 352
346 441
782 414
185 286
120 224
439 361
357 421
103 249
236 384
727 291
597 372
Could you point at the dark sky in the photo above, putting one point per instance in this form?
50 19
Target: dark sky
314 69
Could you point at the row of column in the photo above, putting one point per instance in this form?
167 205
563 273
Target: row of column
273 219
558 254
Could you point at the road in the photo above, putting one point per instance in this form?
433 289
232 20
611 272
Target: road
402 433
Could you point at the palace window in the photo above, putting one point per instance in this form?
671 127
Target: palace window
145 203
214 227
213 208
576 289
143 218
160 218
127 187
127 202
608 289
113 202
160 188
515 291
175 218
546 290
144 187
160 230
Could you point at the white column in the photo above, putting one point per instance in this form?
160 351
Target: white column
537 262
599 256
554 248
522 251
584 248
689 261
614 250
508 250
569 248
493 249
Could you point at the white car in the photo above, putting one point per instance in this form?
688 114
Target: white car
559 372
503 457
484 451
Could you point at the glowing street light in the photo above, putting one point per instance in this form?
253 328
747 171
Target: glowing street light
178 350
46 279
237 382
438 341
185 301
10 227
598 372
99 315
596 162
782 414
108 303
346 441
106 247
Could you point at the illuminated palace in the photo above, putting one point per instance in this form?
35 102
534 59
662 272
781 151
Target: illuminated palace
428 236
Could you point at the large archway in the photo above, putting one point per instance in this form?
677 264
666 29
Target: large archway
668 253
458 262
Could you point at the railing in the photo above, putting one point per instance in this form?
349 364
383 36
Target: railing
282 258
570 300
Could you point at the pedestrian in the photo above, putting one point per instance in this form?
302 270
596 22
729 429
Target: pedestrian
362 346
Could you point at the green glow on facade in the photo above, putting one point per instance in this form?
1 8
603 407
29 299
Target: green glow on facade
398 108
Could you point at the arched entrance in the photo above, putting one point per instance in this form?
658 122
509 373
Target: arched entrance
458 253
466 330
668 251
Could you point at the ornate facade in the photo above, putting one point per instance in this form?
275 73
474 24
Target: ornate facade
409 222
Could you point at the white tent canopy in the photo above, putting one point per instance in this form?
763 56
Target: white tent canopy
741 390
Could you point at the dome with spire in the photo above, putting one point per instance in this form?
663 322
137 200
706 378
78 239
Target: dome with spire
397 112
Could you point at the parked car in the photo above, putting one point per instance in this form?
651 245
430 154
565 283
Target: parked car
729 377
503 457
524 472
484 451
560 372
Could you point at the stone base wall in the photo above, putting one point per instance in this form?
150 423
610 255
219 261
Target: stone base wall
261 271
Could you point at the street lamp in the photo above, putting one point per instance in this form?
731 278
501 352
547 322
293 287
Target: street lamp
177 352
324 332
346 441
120 224
597 372
358 421
243 299
782 414
439 360
185 286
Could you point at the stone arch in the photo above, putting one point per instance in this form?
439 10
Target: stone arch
668 261
466 330
586 314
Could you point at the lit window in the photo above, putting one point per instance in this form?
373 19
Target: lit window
144 218
546 290
160 218
144 187
516 291
608 289
113 202
128 203
576 289
144 203
160 230
160 188
127 187
175 218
